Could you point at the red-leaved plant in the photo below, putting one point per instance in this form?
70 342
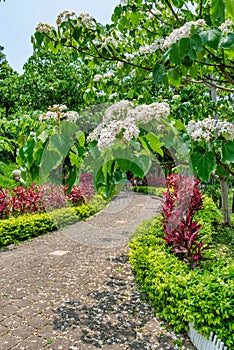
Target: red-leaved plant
182 199
38 199
5 203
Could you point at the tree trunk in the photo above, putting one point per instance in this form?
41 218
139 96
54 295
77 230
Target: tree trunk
233 203
224 198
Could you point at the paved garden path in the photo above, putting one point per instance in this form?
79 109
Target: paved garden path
74 290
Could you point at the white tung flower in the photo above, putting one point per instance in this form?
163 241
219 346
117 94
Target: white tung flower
65 15
108 75
209 129
44 28
87 20
225 27
71 116
182 32
97 77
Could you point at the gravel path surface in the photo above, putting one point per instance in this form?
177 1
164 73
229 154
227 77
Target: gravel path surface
74 290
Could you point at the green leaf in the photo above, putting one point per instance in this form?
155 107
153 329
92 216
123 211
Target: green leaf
81 138
203 164
68 128
74 159
28 151
158 72
217 10
211 38
39 37
196 42
51 159
43 136
174 53
220 171
60 143
155 143
71 179
184 46
137 170
174 76
230 8
228 151
124 164
228 42
77 33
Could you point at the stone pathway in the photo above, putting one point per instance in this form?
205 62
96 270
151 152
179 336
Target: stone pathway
74 290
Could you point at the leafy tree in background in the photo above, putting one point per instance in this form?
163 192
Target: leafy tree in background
49 79
8 84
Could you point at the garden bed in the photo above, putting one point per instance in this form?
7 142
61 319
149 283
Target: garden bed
180 294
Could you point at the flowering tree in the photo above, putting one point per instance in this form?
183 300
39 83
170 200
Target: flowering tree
168 43
57 139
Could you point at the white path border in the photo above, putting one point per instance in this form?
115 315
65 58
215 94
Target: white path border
201 343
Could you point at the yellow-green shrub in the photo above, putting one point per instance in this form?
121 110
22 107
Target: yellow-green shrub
28 226
204 296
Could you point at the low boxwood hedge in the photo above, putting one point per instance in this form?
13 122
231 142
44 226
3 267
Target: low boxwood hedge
155 191
24 227
181 295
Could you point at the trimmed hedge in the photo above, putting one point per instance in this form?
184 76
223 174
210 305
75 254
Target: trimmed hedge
155 191
204 296
28 226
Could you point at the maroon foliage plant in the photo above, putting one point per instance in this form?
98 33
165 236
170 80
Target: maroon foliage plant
38 199
182 199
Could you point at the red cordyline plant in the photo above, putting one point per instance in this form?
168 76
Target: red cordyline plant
5 203
182 199
38 199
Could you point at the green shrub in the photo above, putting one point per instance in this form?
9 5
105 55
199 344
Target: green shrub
155 191
28 226
24 227
181 295
6 179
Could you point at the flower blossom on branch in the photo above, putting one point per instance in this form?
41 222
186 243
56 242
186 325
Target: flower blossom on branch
146 113
225 27
106 133
87 20
65 15
57 112
44 28
182 32
120 120
118 111
209 129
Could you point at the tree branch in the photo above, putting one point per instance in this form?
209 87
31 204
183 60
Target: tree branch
172 10
208 83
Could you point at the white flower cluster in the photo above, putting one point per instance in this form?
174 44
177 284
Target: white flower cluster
71 116
109 40
209 129
182 32
120 65
106 134
157 44
118 111
145 113
44 28
56 112
120 118
65 15
58 108
225 27
87 20
97 77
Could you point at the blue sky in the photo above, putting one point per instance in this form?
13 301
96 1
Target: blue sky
18 19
